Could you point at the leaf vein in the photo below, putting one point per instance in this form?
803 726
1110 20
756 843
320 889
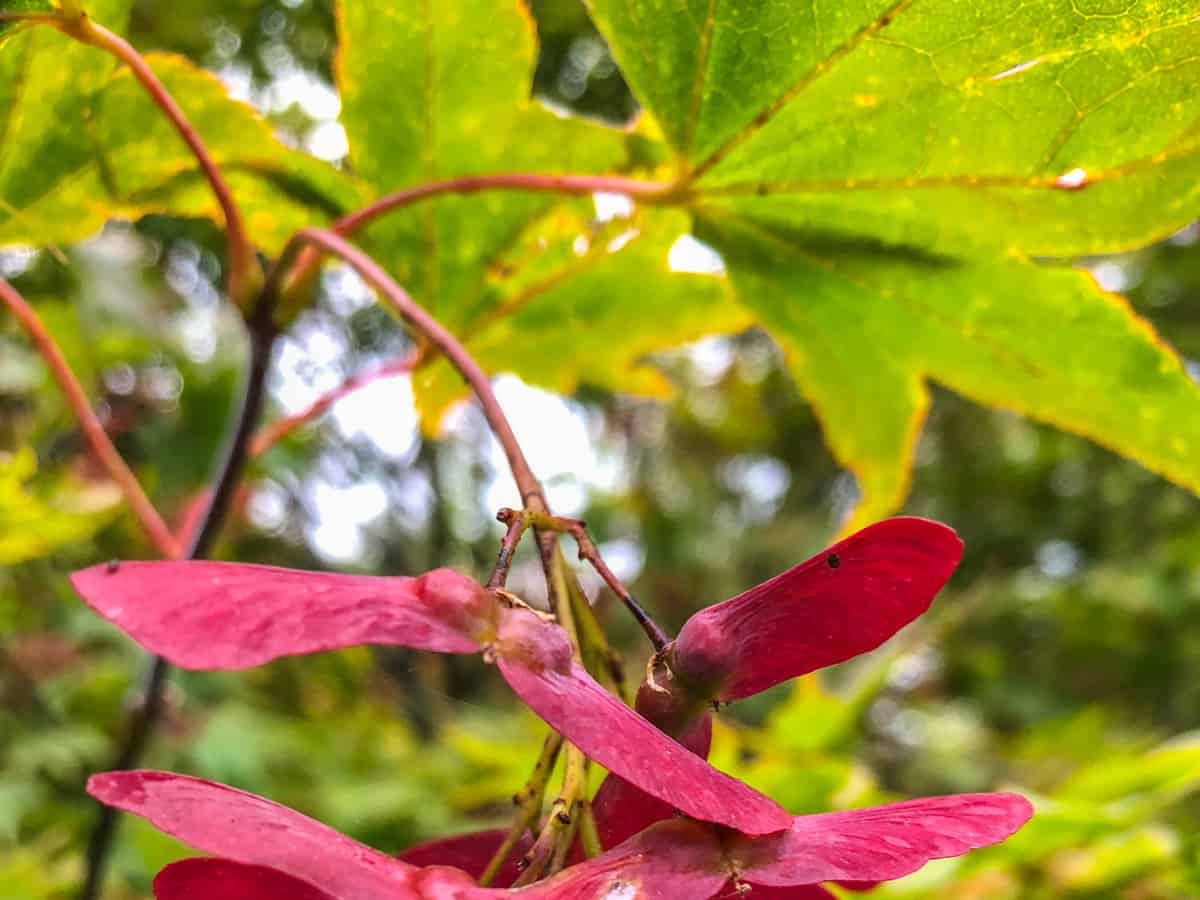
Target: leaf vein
807 80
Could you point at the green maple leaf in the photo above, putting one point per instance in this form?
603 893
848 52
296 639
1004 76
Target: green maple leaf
15 8
878 176
558 308
81 143
432 91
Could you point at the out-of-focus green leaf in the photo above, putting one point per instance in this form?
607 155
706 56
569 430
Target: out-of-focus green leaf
1054 827
434 91
31 525
865 326
1164 774
564 308
17 796
15 8
47 87
1116 860
121 157
811 718
27 874
928 122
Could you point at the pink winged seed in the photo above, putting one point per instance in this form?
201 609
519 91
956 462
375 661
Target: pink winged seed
246 828
224 879
211 615
842 602
880 843
536 662
671 861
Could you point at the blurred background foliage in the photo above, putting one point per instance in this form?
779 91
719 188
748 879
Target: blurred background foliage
1061 660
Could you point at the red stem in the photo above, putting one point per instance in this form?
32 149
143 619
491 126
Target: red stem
240 251
473 184
370 271
93 431
505 181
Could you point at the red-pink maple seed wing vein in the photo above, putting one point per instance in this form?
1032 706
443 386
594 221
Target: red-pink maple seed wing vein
224 879
246 828
844 601
210 615
676 860
615 736
882 842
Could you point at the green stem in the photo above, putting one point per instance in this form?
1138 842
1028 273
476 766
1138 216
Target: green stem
529 805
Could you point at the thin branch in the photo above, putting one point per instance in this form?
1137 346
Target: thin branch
528 801
149 709
651 191
151 522
588 551
240 251
270 435
550 847
504 181
558 832
532 496
371 272
516 523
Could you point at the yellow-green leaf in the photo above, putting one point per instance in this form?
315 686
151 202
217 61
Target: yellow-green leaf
33 524
561 310
15 8
437 90
865 328
1048 128
106 150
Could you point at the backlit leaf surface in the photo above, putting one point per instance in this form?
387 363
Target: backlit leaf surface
437 90
866 327
847 159
84 143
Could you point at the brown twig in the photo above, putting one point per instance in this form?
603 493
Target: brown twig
240 251
150 706
588 551
516 523
474 184
152 524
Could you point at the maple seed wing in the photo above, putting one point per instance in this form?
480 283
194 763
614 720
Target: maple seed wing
676 860
535 660
882 842
211 615
844 601
224 879
246 828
